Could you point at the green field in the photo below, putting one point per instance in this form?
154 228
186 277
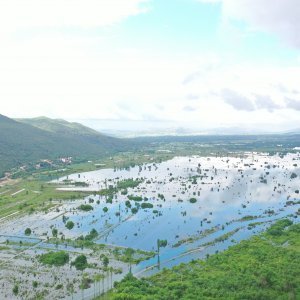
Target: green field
33 192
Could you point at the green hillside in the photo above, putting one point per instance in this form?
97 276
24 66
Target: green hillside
59 126
264 267
21 142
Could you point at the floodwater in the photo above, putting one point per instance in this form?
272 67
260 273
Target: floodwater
226 189
230 194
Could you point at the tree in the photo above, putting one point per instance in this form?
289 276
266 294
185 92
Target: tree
69 225
59 258
105 261
27 231
129 254
160 243
54 232
80 262
15 290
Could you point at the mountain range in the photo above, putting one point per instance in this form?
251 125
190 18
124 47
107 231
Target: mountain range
29 140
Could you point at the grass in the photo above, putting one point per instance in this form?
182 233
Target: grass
34 193
30 195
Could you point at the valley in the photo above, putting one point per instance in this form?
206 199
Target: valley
143 217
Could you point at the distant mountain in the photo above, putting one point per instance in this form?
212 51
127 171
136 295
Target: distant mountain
60 126
29 140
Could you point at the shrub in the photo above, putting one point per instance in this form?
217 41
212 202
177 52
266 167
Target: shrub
193 200
27 231
146 205
57 259
80 262
85 207
15 290
70 225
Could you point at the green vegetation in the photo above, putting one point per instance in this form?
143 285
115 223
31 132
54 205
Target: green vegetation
146 205
57 259
134 210
193 238
128 183
222 238
28 195
133 256
193 200
135 198
162 243
85 207
92 235
69 225
15 290
34 193
264 267
80 184
54 232
293 176
105 261
80 262
247 218
30 140
27 231
278 228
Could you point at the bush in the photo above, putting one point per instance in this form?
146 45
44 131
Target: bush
54 232
70 225
277 228
15 290
135 198
293 175
85 207
80 262
27 231
146 205
57 259
134 210
193 200
92 235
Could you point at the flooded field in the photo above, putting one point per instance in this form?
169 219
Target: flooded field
195 206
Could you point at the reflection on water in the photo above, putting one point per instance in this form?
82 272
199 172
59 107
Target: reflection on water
226 189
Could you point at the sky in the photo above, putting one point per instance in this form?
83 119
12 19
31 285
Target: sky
188 63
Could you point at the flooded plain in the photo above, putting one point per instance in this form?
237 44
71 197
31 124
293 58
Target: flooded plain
195 205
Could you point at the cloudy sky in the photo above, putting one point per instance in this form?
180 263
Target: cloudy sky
202 63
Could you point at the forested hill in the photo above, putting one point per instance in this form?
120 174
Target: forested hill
60 126
29 140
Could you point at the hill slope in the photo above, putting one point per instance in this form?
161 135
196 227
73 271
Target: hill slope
59 126
20 142
264 267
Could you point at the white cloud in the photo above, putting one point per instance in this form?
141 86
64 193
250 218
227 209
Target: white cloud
293 103
245 94
82 76
57 14
279 17
237 101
